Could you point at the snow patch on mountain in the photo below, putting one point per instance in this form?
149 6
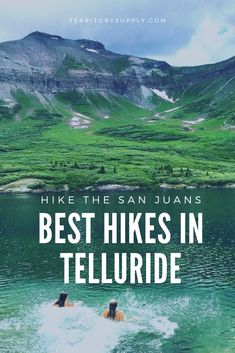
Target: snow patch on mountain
136 60
79 121
171 110
193 122
92 50
162 94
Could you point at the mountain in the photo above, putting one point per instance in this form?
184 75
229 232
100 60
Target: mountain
48 64
58 90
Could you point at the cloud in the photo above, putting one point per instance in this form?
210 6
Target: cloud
211 42
195 32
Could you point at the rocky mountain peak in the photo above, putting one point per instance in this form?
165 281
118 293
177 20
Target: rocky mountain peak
42 35
37 35
86 43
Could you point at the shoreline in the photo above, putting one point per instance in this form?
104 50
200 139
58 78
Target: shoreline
29 186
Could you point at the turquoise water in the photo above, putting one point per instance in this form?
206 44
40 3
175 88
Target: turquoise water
194 316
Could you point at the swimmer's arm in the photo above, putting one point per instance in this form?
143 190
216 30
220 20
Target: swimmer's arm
105 314
120 316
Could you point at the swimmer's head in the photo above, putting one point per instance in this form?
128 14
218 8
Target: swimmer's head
113 301
62 298
112 308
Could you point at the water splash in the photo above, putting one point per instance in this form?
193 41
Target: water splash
79 329
150 321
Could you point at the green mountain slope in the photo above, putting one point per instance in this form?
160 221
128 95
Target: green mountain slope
73 114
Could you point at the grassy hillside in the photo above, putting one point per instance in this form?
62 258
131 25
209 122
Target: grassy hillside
121 143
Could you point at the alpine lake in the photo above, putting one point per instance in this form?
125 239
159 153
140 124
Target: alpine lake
196 315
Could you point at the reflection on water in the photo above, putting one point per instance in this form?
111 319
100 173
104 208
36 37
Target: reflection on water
196 316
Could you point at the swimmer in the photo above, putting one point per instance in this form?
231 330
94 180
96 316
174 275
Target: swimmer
62 301
112 313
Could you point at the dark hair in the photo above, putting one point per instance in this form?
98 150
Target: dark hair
112 310
62 298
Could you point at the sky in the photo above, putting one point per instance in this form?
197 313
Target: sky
181 32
